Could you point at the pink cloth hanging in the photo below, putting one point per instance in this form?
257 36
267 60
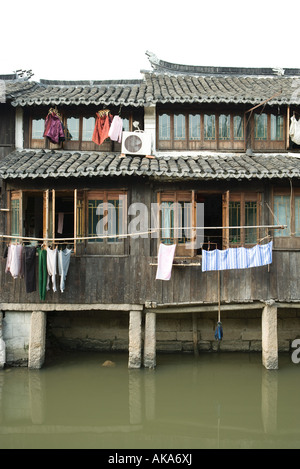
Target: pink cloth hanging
165 261
115 131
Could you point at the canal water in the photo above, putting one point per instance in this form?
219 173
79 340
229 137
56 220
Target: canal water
207 402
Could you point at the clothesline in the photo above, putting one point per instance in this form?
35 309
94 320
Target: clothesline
139 233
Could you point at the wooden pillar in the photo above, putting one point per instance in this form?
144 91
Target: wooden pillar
135 339
150 341
269 337
37 340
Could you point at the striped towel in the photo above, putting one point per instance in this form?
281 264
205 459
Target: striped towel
237 258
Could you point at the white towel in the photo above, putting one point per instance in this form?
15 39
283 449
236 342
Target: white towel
51 267
63 266
165 261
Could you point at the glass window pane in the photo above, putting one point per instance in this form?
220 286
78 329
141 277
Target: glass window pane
15 217
250 220
282 214
209 127
94 219
73 127
38 127
88 125
224 127
114 218
179 127
297 215
260 126
238 128
276 127
164 127
234 220
125 124
194 127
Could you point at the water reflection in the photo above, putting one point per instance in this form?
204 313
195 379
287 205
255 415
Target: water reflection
209 401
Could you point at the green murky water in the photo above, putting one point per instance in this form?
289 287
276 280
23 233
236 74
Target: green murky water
211 401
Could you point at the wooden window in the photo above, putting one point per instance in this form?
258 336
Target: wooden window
164 127
269 131
194 127
209 127
224 127
73 127
194 130
282 214
260 126
88 125
239 211
238 128
276 127
286 211
179 127
37 129
177 220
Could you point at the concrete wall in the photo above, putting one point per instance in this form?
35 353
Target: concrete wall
16 335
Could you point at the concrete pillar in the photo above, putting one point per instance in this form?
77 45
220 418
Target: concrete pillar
19 128
2 345
135 339
150 125
150 341
269 401
269 337
37 340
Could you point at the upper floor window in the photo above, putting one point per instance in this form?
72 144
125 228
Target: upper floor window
269 131
73 127
195 130
88 125
37 129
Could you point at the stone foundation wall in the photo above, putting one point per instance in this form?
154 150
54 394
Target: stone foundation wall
108 331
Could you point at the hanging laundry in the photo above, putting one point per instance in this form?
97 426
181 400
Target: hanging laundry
14 263
165 261
116 128
295 130
29 253
51 268
42 253
102 126
63 266
237 258
54 130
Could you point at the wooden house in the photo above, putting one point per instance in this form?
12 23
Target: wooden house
209 162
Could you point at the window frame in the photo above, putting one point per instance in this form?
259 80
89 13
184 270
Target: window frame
242 198
203 142
269 144
184 249
290 241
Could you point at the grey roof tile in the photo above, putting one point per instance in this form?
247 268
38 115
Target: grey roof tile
202 166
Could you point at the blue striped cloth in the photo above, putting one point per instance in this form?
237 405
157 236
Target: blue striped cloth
237 258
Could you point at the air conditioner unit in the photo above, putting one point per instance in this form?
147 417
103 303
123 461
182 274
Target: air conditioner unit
136 143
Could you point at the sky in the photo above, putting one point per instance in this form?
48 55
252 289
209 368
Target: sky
103 40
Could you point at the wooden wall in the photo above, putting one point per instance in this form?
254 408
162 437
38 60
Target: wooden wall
7 129
131 279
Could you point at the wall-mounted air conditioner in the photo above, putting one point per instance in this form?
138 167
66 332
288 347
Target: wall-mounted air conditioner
136 143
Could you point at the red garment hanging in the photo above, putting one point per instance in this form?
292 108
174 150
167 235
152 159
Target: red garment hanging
102 126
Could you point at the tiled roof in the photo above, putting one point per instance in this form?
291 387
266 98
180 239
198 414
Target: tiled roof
202 166
114 92
157 87
166 83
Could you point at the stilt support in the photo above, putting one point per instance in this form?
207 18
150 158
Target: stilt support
150 341
37 340
269 337
135 339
